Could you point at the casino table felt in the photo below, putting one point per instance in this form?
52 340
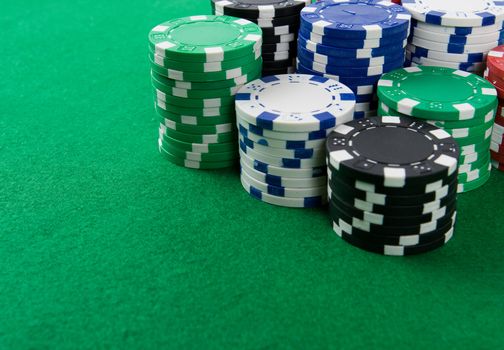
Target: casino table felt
106 244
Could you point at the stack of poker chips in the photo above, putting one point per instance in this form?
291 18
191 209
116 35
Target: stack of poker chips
197 65
279 21
461 103
495 74
454 34
283 122
392 184
353 42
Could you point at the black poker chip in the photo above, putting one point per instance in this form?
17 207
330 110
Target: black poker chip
363 225
341 225
277 71
394 152
278 39
278 64
259 8
272 48
351 194
279 56
395 219
281 30
395 250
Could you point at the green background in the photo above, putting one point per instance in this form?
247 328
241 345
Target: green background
105 244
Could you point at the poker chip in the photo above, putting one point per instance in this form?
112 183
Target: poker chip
283 122
454 34
198 64
353 42
390 199
460 103
279 21
495 74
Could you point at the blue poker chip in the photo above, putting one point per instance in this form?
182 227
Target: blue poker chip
276 143
348 81
350 53
456 13
300 153
445 56
308 55
460 31
355 19
354 44
351 72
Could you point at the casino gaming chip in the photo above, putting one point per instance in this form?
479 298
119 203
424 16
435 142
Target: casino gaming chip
296 102
259 8
468 13
357 149
198 64
279 21
436 92
205 38
283 121
355 19
386 197
353 42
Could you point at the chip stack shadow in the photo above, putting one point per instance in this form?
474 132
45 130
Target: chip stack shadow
198 64
279 21
392 184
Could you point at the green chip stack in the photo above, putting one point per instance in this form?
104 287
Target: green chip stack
461 103
198 64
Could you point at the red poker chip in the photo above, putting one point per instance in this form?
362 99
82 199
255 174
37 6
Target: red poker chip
495 61
495 83
497 156
499 120
496 148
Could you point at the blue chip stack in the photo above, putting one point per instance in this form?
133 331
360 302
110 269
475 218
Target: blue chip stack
454 34
354 42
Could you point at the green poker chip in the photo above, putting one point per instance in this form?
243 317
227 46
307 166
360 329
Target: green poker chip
466 141
200 157
195 164
207 77
437 93
205 39
195 94
198 129
193 138
200 147
473 185
475 173
482 160
204 67
215 102
222 84
471 158
195 120
488 117
475 131
198 112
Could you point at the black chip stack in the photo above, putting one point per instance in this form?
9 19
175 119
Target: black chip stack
279 21
392 184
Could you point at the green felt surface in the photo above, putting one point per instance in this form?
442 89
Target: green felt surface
104 244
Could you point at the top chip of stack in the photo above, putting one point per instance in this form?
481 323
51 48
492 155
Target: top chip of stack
461 103
279 21
197 65
454 34
354 42
392 184
495 74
